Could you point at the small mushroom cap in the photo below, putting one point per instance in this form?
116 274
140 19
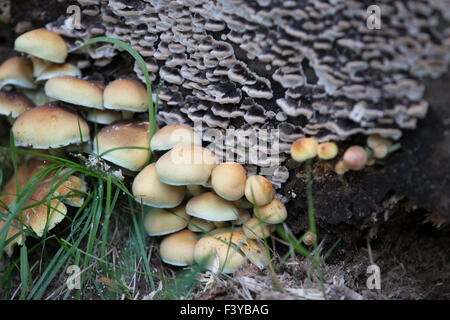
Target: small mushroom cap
185 165
159 221
42 43
259 190
103 116
256 229
303 149
211 207
272 213
17 71
200 225
374 140
340 167
49 126
380 151
14 103
228 180
327 150
178 248
128 135
221 245
355 158
58 70
152 192
126 94
71 189
45 215
75 91
255 252
171 135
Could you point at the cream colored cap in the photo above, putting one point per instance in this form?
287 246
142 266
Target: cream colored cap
76 91
186 164
39 65
272 213
228 180
42 43
103 116
200 225
178 248
171 135
152 192
14 103
259 190
124 134
256 229
49 126
303 149
159 221
211 207
58 70
126 94
17 71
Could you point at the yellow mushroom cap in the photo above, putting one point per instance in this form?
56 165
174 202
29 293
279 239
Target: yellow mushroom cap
185 165
58 70
126 94
256 229
49 126
152 192
303 149
14 103
355 158
132 136
178 248
340 167
17 71
200 225
171 135
42 43
327 150
272 213
211 207
259 190
160 221
75 91
228 180
221 245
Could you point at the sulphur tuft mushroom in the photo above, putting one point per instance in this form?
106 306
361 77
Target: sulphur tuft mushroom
211 207
178 248
340 168
151 192
228 180
355 158
127 95
162 221
272 213
255 228
303 149
171 135
259 190
14 103
17 71
327 150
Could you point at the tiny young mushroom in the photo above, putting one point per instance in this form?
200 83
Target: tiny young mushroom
228 180
303 149
148 189
186 165
355 158
178 248
340 168
272 213
171 135
259 190
327 150
162 221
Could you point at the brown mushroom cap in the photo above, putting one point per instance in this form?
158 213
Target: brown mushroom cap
126 135
211 207
259 190
171 135
42 43
14 103
303 149
178 248
272 213
228 180
185 165
75 91
49 126
17 71
150 191
126 94
355 158
160 221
